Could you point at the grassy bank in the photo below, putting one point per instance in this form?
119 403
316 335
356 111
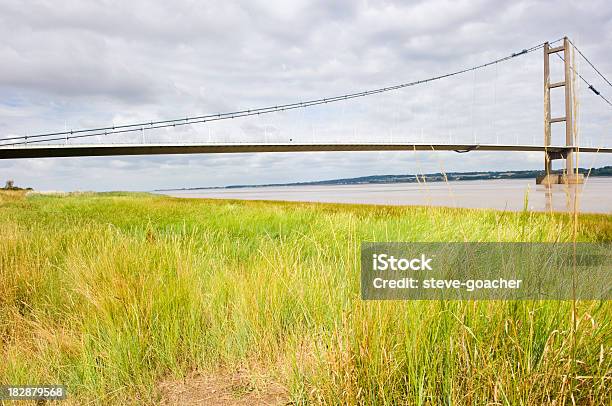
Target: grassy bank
112 294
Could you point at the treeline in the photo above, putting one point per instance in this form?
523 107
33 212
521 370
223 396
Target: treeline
436 177
429 177
10 185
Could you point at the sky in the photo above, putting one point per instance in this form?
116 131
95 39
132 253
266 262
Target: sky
76 64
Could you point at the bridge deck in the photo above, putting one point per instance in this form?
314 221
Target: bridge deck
54 151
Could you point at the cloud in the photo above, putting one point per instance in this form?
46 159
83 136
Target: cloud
72 64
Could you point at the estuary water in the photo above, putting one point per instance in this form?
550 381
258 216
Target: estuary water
595 196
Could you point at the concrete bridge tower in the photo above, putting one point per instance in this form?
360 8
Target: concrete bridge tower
569 175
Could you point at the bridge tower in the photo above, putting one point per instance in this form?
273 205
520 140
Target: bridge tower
569 175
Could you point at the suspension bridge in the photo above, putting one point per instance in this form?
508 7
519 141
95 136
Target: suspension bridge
73 143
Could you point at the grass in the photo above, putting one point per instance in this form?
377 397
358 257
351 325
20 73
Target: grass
113 293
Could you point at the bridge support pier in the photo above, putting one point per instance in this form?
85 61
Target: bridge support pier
560 179
569 176
547 180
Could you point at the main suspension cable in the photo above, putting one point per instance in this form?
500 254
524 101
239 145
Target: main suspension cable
150 125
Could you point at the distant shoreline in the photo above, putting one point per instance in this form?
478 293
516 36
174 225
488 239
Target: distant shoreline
390 179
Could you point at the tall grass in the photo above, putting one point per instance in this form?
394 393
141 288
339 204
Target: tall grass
112 293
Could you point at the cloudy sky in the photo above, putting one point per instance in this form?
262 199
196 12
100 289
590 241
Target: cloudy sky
78 64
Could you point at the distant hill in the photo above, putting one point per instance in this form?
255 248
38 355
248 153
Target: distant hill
429 177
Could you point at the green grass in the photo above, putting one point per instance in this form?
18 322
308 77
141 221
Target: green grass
112 293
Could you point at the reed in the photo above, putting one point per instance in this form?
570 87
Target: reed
113 293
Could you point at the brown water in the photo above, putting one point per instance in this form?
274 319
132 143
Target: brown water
593 197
